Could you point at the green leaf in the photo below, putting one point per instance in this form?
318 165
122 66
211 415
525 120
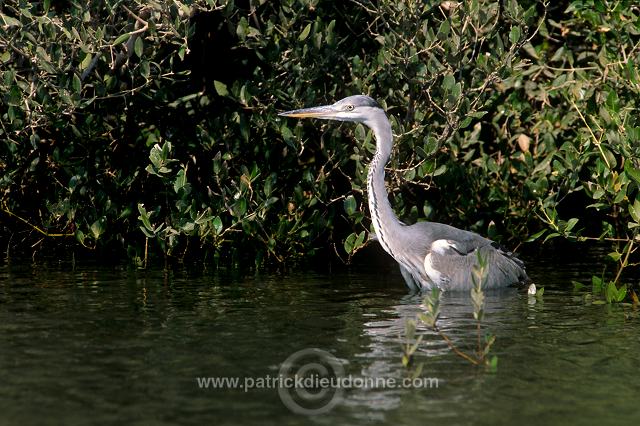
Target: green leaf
598 193
456 90
305 33
121 39
430 146
147 233
86 61
615 256
612 101
240 207
632 172
440 170
444 30
622 293
77 84
217 225
551 236
97 228
287 135
242 28
221 88
596 283
634 210
350 205
493 364
144 217
448 82
349 243
514 35
166 150
145 69
611 292
180 181
570 224
8 21
405 360
138 47
465 123
536 236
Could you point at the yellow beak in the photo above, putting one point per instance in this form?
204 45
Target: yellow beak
316 112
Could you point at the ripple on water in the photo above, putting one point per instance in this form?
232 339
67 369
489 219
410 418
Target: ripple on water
125 346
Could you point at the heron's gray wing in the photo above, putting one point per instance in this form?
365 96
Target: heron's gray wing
449 264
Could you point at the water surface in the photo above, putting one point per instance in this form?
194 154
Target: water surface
98 345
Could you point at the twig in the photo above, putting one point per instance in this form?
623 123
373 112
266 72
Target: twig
595 139
45 233
624 262
454 348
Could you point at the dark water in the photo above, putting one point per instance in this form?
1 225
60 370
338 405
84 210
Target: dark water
118 346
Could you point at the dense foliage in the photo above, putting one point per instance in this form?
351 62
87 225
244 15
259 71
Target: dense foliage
137 126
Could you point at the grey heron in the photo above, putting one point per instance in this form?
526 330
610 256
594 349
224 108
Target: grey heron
430 254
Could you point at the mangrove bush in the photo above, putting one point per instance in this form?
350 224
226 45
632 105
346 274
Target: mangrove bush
151 128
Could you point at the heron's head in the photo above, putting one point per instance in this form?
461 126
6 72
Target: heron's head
358 108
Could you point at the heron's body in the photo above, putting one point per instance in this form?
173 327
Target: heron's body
430 254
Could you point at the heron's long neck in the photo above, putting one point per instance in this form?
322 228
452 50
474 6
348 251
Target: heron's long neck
384 219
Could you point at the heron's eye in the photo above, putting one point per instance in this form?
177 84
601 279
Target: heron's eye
349 107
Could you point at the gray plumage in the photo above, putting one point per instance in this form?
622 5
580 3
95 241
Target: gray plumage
429 253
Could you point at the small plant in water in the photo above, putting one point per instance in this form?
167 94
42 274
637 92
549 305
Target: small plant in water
410 346
477 298
609 292
430 316
612 291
